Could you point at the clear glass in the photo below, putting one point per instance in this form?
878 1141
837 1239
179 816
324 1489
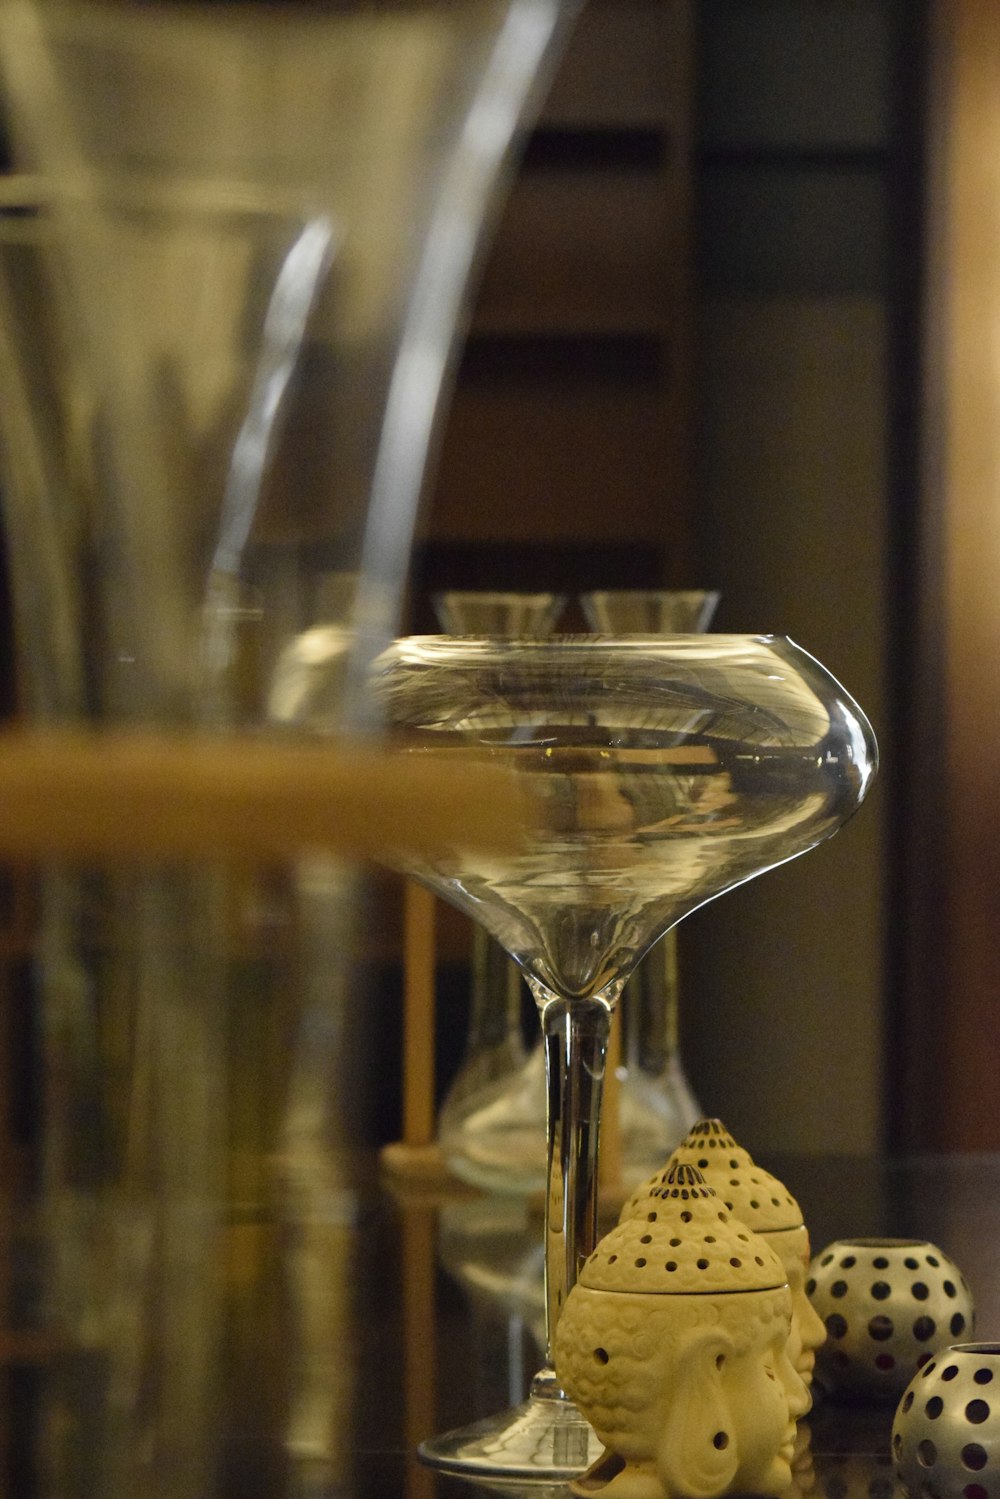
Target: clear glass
656 1105
258 287
481 612
663 771
491 1126
493 1132
229 298
650 611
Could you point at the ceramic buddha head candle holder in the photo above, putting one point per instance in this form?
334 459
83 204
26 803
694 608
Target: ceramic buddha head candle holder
766 1206
674 1344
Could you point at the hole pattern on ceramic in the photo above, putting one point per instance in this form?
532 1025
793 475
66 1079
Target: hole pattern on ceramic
888 1306
705 1249
946 1431
765 1205
763 1202
674 1345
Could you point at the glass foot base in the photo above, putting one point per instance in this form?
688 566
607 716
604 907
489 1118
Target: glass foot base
545 1439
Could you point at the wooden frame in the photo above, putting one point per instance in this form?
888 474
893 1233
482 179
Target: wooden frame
948 1048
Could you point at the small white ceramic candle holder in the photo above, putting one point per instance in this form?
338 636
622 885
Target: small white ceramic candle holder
888 1305
946 1433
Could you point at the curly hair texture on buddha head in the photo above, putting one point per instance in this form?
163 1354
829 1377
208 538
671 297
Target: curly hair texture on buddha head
619 1355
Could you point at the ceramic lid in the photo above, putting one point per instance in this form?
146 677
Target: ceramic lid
685 1240
753 1194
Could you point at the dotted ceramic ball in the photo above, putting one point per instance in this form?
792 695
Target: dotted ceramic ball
946 1434
888 1305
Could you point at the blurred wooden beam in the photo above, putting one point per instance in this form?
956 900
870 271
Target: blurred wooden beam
951 1052
140 796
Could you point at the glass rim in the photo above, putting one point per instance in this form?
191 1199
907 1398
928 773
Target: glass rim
657 641
985 1349
638 594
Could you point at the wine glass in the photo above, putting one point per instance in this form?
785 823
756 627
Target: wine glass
475 611
650 611
491 1125
663 770
656 1105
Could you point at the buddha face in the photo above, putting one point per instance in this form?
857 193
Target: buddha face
767 1396
696 1393
808 1332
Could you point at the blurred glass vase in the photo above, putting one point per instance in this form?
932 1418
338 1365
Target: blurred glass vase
486 612
650 611
232 272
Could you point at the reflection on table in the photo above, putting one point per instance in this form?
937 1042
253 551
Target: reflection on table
426 1311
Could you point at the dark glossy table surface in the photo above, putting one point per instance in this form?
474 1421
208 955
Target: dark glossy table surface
435 1313
467 1310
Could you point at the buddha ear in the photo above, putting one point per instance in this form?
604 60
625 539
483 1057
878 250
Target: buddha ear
697 1457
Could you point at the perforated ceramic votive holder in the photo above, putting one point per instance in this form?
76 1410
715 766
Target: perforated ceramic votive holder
674 1345
763 1204
888 1306
946 1432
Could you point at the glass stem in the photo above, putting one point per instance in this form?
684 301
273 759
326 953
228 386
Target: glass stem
576 1034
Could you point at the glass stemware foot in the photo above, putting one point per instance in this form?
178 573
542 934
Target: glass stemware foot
545 1437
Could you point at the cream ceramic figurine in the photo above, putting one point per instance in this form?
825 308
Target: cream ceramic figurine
674 1344
765 1205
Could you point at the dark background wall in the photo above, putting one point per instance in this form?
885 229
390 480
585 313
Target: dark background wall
809 148
745 420
694 362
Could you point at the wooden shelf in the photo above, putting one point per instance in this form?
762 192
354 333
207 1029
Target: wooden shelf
627 66
569 428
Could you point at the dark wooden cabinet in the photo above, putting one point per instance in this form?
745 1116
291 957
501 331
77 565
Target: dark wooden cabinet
565 457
